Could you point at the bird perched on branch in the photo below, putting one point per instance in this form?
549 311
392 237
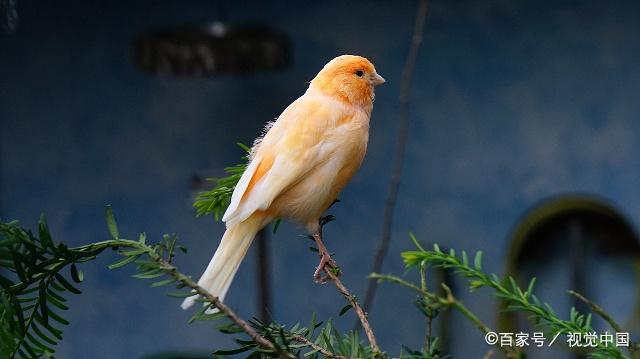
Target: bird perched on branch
300 165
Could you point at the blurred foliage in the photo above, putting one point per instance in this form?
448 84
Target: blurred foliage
216 200
33 295
524 301
37 275
34 289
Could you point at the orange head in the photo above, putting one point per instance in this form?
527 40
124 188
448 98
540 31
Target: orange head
349 78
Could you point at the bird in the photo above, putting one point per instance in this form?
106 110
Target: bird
298 166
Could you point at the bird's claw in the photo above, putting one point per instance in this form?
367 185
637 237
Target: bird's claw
320 279
326 264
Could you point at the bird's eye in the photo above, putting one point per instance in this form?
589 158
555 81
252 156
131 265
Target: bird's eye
359 73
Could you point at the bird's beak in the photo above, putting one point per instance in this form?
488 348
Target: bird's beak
377 80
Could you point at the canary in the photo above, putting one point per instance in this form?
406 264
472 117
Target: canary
298 167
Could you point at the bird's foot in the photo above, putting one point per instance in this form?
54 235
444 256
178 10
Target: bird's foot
326 264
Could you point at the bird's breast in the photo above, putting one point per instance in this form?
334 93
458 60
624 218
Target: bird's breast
344 148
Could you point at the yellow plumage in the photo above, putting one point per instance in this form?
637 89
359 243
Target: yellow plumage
300 166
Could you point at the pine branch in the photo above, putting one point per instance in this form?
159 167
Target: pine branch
37 263
598 310
450 301
33 290
318 348
358 309
163 265
228 312
333 273
604 315
519 300
216 200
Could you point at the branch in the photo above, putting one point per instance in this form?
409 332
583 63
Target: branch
172 271
394 185
598 310
520 300
604 315
453 302
358 309
323 351
228 312
430 314
333 272
450 301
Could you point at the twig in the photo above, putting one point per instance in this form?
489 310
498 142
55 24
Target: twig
598 310
358 309
397 280
333 272
455 303
604 315
450 301
228 312
430 316
394 185
172 271
322 350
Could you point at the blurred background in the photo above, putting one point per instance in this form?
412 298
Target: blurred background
523 132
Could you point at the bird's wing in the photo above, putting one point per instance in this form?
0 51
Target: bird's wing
241 187
295 144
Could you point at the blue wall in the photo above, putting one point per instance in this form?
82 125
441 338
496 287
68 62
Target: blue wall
513 101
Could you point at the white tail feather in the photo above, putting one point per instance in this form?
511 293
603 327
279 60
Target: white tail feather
217 278
238 191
